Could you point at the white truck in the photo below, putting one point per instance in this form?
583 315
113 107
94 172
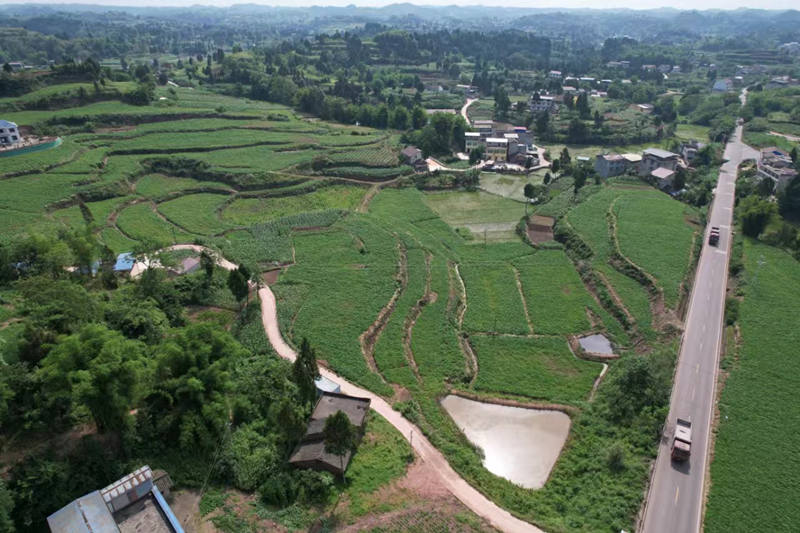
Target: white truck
682 440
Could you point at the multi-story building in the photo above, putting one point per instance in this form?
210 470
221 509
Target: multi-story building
484 126
497 148
9 133
543 104
608 165
653 158
688 150
472 140
776 165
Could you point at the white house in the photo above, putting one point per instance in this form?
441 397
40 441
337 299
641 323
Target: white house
497 148
9 133
472 140
544 103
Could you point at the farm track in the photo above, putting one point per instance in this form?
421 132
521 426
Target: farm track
522 297
457 305
370 337
428 297
431 457
615 296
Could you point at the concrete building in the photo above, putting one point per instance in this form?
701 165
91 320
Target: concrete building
555 74
608 165
688 150
776 165
653 158
472 140
497 148
484 126
411 154
9 133
663 177
543 103
133 504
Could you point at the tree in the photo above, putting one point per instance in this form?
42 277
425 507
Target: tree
755 214
529 191
6 507
789 199
305 372
238 283
339 436
8 69
555 166
188 402
547 178
207 263
542 123
97 368
565 158
418 117
476 155
502 103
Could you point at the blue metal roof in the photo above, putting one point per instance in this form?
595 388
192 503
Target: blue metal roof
87 514
125 262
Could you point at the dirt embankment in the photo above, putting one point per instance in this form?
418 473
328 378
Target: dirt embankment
370 337
428 297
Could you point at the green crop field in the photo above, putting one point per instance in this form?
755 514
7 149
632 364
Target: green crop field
196 213
541 368
759 427
556 297
494 300
485 215
246 211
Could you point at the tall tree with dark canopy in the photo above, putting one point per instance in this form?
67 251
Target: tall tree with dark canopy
305 371
340 436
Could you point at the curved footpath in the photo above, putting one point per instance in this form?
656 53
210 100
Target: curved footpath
433 458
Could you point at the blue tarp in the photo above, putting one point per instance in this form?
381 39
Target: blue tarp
125 262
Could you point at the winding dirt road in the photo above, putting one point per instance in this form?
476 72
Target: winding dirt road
430 456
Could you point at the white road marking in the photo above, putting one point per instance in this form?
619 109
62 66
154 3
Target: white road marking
697 368
694 390
677 491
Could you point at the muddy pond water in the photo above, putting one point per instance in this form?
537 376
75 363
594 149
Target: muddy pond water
520 445
596 344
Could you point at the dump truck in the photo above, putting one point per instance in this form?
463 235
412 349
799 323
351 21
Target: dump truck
713 236
682 440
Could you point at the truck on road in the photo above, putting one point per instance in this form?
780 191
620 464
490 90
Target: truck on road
682 440
713 236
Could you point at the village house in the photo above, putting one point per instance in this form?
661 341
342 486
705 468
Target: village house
9 133
688 150
124 264
644 108
497 148
543 104
608 165
722 86
556 74
776 165
484 126
663 177
472 140
653 158
134 504
310 452
411 154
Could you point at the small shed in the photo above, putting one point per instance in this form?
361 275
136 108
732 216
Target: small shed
324 385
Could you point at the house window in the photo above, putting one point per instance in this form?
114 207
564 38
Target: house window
3 139
11 130
13 137
2 130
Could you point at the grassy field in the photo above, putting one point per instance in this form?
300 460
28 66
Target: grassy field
759 429
484 215
540 368
494 300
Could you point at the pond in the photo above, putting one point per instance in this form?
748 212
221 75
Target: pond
596 344
519 444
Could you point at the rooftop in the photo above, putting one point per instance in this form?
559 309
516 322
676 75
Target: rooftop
497 140
632 158
330 402
662 173
659 153
125 262
472 134
7 124
611 157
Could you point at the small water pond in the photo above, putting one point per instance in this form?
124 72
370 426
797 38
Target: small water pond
596 344
519 444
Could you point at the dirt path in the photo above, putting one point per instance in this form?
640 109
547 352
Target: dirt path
785 136
429 455
522 297
364 206
465 109
427 297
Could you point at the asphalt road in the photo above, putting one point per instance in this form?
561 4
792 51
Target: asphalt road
676 498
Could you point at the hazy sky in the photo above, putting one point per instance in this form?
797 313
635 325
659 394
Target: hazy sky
633 4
